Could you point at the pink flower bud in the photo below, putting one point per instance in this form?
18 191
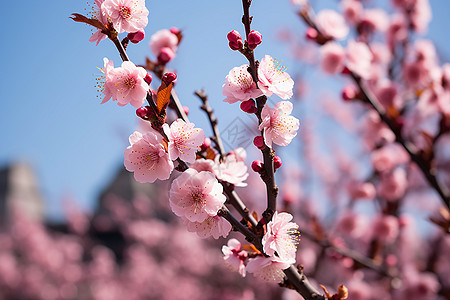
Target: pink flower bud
169 77
142 112
349 93
257 166
259 142
165 55
276 162
254 39
249 106
175 30
235 40
206 144
148 78
311 34
136 37
186 110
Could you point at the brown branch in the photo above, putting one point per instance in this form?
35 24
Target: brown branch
247 20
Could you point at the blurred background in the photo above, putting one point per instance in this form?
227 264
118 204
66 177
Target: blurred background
61 153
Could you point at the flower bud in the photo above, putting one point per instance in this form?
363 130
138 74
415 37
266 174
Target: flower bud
259 142
311 34
235 40
276 162
136 37
165 55
249 106
148 78
186 110
257 166
206 144
169 77
175 30
254 39
348 93
142 112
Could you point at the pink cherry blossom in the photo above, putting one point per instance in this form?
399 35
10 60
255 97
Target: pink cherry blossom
214 226
147 158
282 237
352 10
273 79
184 140
125 84
279 127
332 24
385 228
196 195
361 190
234 256
393 185
231 170
359 58
161 39
98 36
126 15
333 57
239 85
386 158
268 268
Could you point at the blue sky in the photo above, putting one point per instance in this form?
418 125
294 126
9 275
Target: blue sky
50 115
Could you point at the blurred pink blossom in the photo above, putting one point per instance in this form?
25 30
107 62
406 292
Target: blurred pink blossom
332 24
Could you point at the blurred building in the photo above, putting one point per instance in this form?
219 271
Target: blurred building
19 190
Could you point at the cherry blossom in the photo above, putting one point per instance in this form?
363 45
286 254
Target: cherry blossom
239 85
268 268
214 226
279 127
281 237
332 24
273 79
333 57
147 158
359 58
196 195
126 15
98 36
125 84
231 169
235 256
184 140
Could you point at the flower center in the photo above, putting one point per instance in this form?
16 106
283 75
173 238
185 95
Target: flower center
130 82
199 200
152 156
125 12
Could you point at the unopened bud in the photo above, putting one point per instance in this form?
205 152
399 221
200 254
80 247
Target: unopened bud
148 78
348 93
257 166
235 40
249 106
142 112
165 55
254 39
311 33
169 77
259 142
175 30
206 144
186 110
136 37
276 162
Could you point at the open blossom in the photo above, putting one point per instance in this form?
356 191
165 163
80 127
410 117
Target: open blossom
268 268
147 158
184 140
273 79
235 256
196 195
359 58
98 36
231 169
333 57
281 237
239 85
214 226
332 24
279 127
125 84
126 15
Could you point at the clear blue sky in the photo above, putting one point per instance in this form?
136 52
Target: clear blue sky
50 115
